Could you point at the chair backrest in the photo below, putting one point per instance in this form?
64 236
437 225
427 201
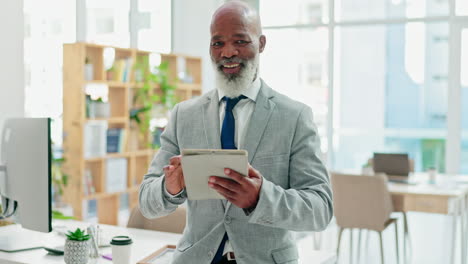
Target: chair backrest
174 222
361 201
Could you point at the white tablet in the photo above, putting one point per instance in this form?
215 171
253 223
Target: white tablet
199 164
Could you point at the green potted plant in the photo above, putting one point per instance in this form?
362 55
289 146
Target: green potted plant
146 101
98 108
77 247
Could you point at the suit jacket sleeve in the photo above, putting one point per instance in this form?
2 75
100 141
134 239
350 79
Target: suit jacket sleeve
153 198
307 204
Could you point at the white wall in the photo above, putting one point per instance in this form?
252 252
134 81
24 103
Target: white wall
12 60
191 29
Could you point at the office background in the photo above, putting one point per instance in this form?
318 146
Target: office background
381 75
390 75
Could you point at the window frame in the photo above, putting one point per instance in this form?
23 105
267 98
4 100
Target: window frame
456 24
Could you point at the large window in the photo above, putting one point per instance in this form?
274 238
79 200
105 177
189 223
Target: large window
464 99
46 29
106 22
302 74
389 88
391 92
156 35
347 10
293 12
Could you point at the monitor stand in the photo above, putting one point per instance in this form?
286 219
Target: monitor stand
14 238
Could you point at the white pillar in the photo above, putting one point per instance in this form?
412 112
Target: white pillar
81 24
191 34
453 143
12 62
133 23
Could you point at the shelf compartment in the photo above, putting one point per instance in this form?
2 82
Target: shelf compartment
172 70
112 120
118 102
93 177
193 69
93 56
141 168
113 84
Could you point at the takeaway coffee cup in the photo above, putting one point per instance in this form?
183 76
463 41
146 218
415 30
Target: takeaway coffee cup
121 249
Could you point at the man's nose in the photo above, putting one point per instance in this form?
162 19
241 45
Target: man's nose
229 51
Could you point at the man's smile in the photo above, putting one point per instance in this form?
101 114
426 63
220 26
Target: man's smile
231 68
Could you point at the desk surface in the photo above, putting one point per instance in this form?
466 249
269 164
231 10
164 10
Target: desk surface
145 242
426 197
445 185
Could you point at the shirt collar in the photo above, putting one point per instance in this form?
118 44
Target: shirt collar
251 92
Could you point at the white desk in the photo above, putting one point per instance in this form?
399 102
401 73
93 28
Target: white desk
145 242
449 195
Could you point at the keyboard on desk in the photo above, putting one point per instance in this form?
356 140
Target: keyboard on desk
401 180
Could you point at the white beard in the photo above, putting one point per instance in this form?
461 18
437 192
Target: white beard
234 87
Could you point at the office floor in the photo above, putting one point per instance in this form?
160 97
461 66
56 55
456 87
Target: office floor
430 234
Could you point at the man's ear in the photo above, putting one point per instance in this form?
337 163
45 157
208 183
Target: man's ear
262 43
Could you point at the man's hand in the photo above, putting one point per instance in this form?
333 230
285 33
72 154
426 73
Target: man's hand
174 176
242 191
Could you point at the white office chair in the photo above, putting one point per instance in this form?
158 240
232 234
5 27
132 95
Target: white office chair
363 202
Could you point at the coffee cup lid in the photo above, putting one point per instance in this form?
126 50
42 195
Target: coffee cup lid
121 240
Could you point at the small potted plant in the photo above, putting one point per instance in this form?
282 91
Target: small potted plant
77 247
99 109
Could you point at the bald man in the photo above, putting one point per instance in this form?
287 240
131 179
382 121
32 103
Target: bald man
287 187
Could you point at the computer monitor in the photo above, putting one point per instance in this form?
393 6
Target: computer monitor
393 164
25 179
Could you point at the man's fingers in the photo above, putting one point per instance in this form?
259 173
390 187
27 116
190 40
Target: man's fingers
253 173
225 183
168 168
175 160
235 175
173 172
229 194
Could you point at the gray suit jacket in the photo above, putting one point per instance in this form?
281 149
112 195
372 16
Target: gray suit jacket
282 144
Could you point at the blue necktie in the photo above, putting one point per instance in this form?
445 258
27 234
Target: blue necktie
229 124
228 132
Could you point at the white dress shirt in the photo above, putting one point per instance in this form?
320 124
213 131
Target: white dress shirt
242 113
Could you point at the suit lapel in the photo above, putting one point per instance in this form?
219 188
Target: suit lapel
211 121
258 122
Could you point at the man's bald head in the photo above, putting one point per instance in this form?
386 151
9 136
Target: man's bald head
239 10
236 42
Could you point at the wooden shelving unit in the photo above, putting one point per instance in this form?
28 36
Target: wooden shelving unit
120 98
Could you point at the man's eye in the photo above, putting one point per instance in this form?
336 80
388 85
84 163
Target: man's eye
241 42
217 44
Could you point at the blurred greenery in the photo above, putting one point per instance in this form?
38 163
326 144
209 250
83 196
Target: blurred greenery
145 98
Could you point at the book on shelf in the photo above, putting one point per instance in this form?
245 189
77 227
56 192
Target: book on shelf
95 138
89 211
122 69
116 138
116 175
88 183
